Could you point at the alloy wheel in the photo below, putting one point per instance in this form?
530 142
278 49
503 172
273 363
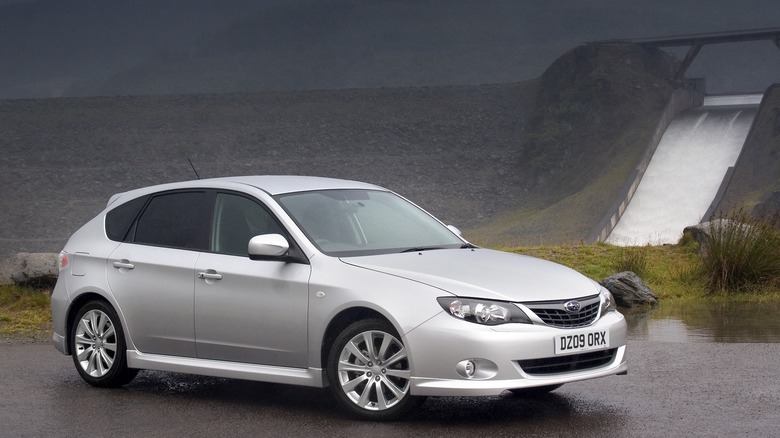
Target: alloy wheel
373 370
95 343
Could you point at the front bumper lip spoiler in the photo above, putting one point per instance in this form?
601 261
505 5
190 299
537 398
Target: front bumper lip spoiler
464 387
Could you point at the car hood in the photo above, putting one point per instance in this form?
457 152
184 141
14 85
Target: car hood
483 273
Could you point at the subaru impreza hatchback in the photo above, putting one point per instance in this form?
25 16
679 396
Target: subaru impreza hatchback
321 282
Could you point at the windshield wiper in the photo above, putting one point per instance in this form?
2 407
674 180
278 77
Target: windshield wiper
421 248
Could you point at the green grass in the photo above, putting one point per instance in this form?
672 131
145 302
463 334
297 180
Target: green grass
24 310
742 253
673 272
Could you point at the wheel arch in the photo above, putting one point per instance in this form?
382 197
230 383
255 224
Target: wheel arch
74 308
341 321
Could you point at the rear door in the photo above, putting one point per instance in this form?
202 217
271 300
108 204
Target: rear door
152 274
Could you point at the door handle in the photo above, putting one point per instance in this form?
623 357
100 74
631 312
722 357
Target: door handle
210 275
124 264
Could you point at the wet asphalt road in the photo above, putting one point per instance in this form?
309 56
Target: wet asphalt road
672 389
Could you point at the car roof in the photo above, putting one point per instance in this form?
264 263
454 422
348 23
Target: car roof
272 184
279 184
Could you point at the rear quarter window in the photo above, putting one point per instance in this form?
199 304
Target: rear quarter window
120 219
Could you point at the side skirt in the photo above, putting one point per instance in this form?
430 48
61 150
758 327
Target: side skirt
232 370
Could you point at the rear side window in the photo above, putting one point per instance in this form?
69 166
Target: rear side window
178 220
119 220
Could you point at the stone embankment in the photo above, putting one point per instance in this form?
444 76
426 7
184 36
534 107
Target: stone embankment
34 269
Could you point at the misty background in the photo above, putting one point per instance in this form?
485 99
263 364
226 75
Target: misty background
61 48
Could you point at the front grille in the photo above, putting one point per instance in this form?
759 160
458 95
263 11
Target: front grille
564 364
554 313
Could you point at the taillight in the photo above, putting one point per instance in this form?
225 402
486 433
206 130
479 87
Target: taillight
63 261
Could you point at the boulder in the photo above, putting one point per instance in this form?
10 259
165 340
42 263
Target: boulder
34 269
703 232
699 232
629 290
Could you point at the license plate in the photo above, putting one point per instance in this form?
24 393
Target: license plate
586 341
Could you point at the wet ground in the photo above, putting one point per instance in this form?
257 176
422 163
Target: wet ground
672 389
686 377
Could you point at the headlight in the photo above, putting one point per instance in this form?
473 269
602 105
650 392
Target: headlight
483 311
607 301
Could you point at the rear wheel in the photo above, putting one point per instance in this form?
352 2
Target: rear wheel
97 344
368 371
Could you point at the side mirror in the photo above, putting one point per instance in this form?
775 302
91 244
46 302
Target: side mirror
268 245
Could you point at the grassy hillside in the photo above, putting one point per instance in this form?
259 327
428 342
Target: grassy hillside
594 114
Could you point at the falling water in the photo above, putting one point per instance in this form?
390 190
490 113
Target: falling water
686 170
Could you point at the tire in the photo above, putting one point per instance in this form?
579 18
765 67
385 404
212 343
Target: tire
97 344
368 372
535 391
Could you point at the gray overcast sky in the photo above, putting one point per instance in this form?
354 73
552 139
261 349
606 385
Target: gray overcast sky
92 47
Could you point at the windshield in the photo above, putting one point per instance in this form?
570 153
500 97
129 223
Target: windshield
364 222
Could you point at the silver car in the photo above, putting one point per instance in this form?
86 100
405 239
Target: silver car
321 282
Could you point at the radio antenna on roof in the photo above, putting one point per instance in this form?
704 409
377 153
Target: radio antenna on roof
193 167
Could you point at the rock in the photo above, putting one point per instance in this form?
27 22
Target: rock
629 290
703 232
699 232
34 269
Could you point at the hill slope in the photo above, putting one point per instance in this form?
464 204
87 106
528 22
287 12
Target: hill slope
594 114
755 184
452 149
470 154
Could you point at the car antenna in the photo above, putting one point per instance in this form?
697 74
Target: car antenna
193 167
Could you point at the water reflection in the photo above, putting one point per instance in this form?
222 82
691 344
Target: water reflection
707 322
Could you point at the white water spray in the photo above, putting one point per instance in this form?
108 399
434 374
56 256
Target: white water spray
686 170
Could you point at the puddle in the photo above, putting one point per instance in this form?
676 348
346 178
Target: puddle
707 322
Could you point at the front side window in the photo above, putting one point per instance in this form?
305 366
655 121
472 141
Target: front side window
236 220
177 220
365 222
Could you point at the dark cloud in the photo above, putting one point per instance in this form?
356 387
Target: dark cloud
92 47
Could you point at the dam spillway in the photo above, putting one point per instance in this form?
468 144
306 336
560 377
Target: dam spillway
686 171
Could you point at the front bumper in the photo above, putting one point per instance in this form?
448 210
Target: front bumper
438 346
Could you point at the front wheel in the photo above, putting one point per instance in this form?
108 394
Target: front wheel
98 346
368 371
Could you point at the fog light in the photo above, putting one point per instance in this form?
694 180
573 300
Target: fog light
470 368
476 369
466 368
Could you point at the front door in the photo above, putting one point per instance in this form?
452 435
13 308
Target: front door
252 311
